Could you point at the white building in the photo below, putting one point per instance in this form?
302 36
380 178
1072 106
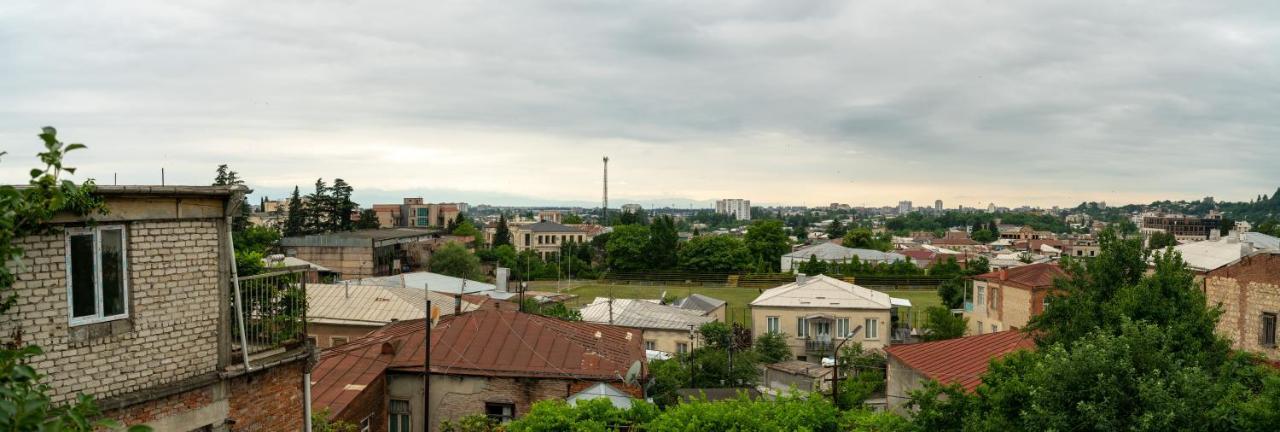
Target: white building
937 205
904 207
740 209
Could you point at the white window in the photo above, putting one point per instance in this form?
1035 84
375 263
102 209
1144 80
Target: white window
682 348
842 328
802 327
366 424
650 345
979 327
772 325
97 274
500 412
398 416
1267 337
871 331
995 328
337 340
981 295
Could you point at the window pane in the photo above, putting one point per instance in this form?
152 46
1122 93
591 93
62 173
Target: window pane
83 302
112 272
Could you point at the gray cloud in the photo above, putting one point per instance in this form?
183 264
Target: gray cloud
785 102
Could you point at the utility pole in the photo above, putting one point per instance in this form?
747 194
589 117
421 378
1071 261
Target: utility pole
426 361
604 208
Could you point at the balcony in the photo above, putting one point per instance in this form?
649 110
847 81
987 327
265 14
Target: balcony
968 306
270 317
818 346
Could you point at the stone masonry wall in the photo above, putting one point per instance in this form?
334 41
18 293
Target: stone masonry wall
1245 290
172 330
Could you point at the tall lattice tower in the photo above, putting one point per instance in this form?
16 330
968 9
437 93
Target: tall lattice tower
604 208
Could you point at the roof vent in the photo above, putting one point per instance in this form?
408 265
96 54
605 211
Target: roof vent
801 278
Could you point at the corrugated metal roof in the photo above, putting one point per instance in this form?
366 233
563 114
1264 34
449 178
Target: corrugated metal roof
823 292
643 314
1262 241
699 302
437 282
1211 254
833 252
961 360
372 305
1030 275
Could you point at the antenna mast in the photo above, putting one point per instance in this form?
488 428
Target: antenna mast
604 208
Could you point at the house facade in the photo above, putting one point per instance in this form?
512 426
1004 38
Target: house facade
1248 291
817 312
960 361
133 308
1007 298
665 328
834 253
363 253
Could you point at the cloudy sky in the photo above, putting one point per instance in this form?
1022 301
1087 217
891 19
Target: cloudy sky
796 102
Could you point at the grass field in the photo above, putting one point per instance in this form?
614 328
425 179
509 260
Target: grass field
737 298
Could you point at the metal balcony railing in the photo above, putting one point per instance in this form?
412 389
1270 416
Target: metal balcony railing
270 314
817 346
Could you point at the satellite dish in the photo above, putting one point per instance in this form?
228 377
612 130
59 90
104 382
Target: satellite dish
633 373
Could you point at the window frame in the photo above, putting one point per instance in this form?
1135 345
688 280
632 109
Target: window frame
682 347
95 233
333 341
651 345
1275 329
366 424
871 329
404 419
773 324
842 327
500 419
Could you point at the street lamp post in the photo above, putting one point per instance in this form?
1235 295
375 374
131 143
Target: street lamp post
835 373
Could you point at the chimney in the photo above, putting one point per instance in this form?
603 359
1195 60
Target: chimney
500 276
1004 274
801 278
457 304
390 347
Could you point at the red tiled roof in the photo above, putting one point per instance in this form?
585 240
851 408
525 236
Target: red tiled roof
955 240
1031 275
485 342
961 360
918 254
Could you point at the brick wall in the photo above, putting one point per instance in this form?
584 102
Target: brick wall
268 400
372 401
169 406
1244 291
172 331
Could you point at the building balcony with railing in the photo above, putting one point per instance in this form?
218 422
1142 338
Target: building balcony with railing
269 314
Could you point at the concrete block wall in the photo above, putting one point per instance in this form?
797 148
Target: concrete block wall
171 333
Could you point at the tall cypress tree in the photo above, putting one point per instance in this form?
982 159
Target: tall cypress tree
502 236
295 223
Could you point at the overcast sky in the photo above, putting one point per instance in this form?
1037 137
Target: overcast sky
795 102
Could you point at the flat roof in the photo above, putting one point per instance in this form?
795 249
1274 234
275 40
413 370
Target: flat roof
356 238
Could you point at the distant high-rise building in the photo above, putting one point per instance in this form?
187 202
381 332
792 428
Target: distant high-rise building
991 208
631 208
740 209
904 207
937 205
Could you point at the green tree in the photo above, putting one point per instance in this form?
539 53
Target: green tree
368 220
317 218
862 238
836 230
471 423
339 207
952 292
502 234
320 422
1160 240
466 229
571 219
772 348
767 242
226 177
453 259
711 253
663 239
941 324
984 236
668 376
25 404
627 247
295 223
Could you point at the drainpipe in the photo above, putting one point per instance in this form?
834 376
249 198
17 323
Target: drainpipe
235 281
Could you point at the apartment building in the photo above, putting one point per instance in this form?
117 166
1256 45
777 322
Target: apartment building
415 213
1007 298
740 209
363 253
545 237
1183 227
132 308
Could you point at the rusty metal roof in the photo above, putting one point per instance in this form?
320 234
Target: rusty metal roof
961 360
486 342
1031 275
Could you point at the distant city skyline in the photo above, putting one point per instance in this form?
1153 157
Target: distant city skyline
798 103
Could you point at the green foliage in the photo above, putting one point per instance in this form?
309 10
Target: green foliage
663 239
784 414
862 238
941 324
767 242
1160 240
553 310
627 248
984 235
295 223
836 230
368 220
466 229
453 259
226 177
979 221
471 423
502 234
714 254
772 348
571 219
668 376
952 292
862 420
25 404
320 422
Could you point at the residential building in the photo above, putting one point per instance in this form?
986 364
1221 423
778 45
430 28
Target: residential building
708 306
632 208
958 241
389 215
1183 227
937 206
816 312
665 328
960 361
904 207
132 306
343 312
1248 291
549 216
1025 233
490 362
415 213
445 284
834 253
363 253
740 209
1203 256
1007 298
545 237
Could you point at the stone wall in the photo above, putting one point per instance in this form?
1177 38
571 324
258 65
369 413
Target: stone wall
171 333
1245 290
